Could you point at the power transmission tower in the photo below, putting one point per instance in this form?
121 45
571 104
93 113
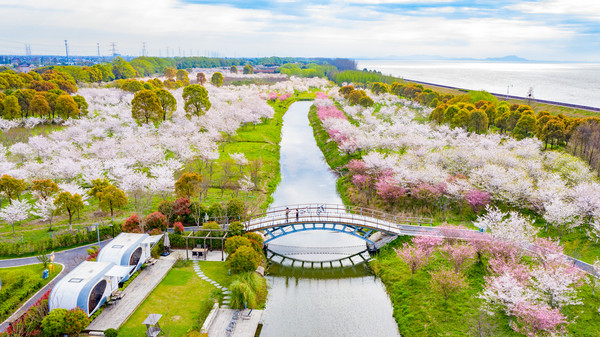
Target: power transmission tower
167 51
28 50
114 48
179 51
67 50
143 48
98 45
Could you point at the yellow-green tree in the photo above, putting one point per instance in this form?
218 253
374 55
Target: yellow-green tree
188 184
12 109
69 203
44 187
248 69
233 69
145 106
112 198
478 121
66 106
217 79
39 106
201 78
170 73
196 99
11 187
168 103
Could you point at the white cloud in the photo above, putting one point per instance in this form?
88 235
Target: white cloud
583 8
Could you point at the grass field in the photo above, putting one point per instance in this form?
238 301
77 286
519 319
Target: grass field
183 298
19 284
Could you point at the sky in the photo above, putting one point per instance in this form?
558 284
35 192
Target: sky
560 30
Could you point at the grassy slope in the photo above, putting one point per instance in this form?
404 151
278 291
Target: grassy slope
7 275
421 312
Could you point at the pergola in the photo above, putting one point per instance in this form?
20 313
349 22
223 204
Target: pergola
221 234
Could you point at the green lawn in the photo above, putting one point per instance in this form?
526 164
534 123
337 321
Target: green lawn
183 298
19 284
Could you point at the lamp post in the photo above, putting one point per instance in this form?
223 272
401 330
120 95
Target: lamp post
98 233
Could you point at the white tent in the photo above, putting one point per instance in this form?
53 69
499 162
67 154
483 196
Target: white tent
128 249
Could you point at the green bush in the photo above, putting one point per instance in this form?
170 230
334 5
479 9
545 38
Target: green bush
248 290
236 228
75 321
111 332
233 243
54 323
244 259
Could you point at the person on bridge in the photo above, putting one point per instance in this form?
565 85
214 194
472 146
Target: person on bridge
297 215
287 214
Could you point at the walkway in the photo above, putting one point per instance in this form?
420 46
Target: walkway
235 323
69 259
135 293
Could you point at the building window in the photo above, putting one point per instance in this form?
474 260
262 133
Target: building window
96 295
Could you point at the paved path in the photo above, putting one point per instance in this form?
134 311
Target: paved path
235 323
135 293
69 259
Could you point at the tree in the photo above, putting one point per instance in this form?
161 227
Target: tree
44 188
245 259
98 185
168 102
67 202
156 220
237 228
112 198
145 106
458 255
233 69
447 282
217 79
132 224
122 69
54 323
533 319
45 209
563 216
478 120
235 208
182 75
76 320
196 99
188 184
39 106
12 109
200 78
81 104
12 188
233 243
66 106
15 212
414 256
553 132
477 199
170 73
248 69
511 226
525 126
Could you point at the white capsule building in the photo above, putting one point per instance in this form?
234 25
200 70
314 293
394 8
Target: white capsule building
128 249
87 286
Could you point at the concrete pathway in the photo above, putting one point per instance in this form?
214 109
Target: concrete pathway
135 293
69 259
235 323
227 297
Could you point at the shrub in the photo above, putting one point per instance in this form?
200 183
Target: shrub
233 243
244 259
178 227
236 228
155 231
181 207
236 208
156 220
255 237
75 321
111 332
132 224
166 208
248 290
215 210
54 323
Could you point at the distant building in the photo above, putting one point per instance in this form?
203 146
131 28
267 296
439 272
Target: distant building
23 68
129 249
87 286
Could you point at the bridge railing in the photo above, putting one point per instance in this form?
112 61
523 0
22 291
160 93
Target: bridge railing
327 210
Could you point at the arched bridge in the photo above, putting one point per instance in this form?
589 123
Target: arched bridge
357 221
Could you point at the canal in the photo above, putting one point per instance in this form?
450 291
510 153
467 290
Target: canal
330 302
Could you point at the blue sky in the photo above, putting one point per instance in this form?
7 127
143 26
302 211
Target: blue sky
541 30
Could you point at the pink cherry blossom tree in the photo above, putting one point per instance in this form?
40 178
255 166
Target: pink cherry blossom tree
414 257
447 282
